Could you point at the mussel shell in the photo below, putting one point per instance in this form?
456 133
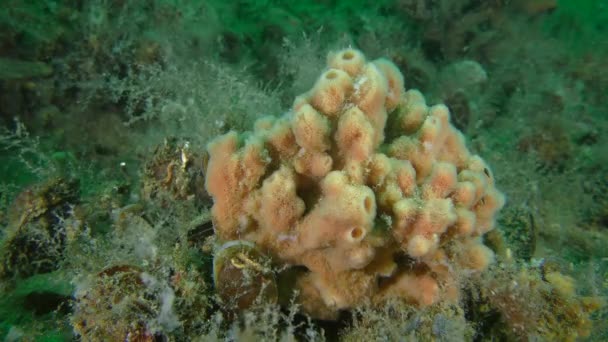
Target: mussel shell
242 275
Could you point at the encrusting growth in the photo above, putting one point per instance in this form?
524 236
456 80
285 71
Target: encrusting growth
371 190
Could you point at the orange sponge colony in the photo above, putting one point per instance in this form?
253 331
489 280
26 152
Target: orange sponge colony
369 189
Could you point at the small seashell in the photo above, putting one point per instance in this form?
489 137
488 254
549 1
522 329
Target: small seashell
241 274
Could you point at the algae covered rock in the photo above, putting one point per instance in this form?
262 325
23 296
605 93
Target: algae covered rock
41 221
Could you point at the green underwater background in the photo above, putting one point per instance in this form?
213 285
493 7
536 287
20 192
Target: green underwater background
99 99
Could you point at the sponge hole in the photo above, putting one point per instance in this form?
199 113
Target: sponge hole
368 203
348 55
487 172
357 233
331 75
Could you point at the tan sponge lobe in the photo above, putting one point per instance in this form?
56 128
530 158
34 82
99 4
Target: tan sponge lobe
366 212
